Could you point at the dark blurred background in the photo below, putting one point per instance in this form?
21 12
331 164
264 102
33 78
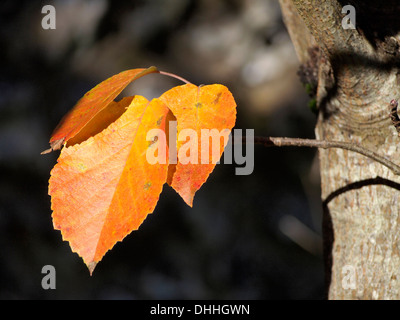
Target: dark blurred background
246 237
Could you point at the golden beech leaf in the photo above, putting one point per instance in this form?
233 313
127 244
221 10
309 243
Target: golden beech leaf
93 102
104 188
200 112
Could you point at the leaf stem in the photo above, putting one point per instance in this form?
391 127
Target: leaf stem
174 76
326 144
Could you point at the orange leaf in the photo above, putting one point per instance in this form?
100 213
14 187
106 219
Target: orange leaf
209 107
101 120
103 188
91 104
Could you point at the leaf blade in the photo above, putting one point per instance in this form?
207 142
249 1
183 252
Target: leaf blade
93 183
198 108
92 103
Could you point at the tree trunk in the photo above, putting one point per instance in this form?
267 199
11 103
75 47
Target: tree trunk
357 72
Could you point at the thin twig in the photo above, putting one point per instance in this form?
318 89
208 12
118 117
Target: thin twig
326 144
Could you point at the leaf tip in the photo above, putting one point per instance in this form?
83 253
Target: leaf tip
54 145
91 266
47 151
188 199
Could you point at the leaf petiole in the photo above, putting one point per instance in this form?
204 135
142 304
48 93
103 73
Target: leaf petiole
172 75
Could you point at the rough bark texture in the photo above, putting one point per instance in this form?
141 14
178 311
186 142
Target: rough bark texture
358 76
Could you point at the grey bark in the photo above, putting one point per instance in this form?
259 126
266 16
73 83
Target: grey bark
357 72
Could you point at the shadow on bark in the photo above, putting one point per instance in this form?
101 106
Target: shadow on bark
327 225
